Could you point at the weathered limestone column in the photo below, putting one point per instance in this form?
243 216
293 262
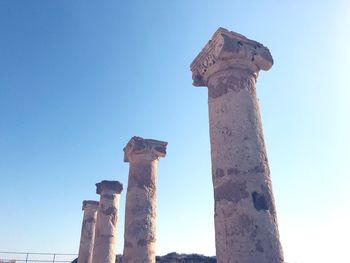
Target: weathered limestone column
245 217
106 222
87 231
140 207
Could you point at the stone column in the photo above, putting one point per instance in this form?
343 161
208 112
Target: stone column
106 222
245 217
87 231
140 207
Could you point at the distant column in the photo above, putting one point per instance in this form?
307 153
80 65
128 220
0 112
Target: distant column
106 222
140 208
245 218
87 231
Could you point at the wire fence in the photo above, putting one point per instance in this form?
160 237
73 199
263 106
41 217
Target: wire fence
13 257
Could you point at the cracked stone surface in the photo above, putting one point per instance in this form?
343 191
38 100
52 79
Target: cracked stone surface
87 231
140 207
106 222
246 228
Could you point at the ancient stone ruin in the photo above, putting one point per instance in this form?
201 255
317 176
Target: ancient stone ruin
140 207
106 221
88 231
245 217
244 213
99 227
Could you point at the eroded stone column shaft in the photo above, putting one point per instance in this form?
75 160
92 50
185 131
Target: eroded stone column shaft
106 222
140 207
87 231
245 219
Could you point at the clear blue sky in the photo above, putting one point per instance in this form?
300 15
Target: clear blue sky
79 78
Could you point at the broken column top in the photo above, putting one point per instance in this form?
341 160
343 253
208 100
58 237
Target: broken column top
89 202
109 185
150 149
226 50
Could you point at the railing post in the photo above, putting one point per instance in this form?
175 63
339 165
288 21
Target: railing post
27 257
54 255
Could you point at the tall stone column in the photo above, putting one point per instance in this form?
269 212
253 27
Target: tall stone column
87 231
245 217
106 222
140 207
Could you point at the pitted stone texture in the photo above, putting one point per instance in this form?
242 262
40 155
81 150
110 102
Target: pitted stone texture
244 205
106 222
89 204
140 214
245 219
114 186
227 50
140 208
87 231
248 240
146 149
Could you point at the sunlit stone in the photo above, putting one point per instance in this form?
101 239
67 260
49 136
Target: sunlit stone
106 222
245 218
140 208
87 231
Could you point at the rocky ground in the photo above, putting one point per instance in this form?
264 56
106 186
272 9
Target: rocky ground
176 258
185 258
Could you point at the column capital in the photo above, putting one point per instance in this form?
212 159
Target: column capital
144 149
89 203
109 185
229 50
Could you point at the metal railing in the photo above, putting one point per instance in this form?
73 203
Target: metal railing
29 257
